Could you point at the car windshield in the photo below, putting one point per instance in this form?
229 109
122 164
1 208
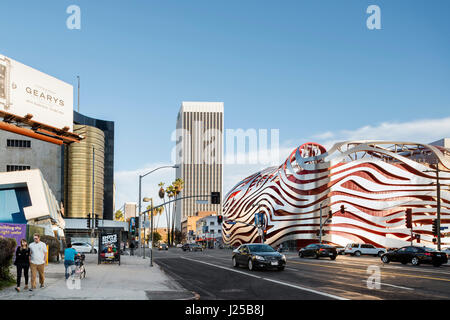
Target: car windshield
260 248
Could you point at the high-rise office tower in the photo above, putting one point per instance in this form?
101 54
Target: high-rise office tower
199 156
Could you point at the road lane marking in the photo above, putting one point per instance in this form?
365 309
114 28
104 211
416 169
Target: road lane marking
267 279
391 285
384 272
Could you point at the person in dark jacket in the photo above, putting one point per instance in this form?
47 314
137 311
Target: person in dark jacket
22 262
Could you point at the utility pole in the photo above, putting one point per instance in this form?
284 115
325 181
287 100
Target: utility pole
93 183
78 94
320 231
438 204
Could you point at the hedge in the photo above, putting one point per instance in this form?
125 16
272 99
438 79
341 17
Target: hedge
7 249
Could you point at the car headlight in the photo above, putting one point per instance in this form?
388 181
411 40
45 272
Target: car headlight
260 258
283 257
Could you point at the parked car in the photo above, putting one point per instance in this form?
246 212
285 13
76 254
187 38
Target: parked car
83 247
192 247
415 255
179 245
340 249
358 249
317 250
163 246
258 256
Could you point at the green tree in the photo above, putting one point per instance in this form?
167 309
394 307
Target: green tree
118 216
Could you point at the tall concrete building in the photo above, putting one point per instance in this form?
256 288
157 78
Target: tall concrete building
199 158
18 152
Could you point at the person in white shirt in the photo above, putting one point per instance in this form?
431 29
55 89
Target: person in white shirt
38 256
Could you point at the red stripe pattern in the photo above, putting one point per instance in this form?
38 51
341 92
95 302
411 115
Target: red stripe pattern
376 181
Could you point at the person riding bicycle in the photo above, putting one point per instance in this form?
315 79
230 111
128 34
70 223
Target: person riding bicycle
69 259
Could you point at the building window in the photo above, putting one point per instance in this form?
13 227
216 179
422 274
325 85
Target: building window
12 167
13 143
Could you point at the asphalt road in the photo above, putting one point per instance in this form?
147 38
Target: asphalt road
211 275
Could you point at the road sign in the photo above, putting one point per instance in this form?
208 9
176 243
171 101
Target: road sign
443 228
230 222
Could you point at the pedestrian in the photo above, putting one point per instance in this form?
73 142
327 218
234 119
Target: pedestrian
132 248
22 262
69 259
38 256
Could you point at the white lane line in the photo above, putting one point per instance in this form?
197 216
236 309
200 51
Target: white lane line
391 285
275 281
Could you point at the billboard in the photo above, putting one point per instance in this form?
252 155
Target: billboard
14 231
24 90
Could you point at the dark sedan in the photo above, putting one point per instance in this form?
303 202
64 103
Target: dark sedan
258 256
317 250
415 255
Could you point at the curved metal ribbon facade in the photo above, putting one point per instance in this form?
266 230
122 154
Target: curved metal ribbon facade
376 181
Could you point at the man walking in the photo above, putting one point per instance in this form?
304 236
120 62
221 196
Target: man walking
38 256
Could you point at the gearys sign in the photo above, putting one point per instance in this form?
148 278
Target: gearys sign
24 90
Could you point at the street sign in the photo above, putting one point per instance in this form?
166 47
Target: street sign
443 228
230 222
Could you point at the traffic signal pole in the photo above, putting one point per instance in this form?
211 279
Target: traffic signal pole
438 205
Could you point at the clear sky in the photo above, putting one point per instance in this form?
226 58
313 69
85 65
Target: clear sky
311 68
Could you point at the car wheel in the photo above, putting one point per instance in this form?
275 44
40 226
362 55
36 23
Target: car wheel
235 263
300 255
250 265
415 261
385 259
333 257
380 253
316 255
358 253
281 268
436 264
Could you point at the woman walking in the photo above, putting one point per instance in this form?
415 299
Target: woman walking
22 263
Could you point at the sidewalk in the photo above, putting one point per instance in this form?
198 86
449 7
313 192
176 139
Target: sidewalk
132 280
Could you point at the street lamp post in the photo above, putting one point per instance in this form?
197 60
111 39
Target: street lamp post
151 229
140 198
438 204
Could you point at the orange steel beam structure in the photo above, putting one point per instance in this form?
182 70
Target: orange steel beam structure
38 130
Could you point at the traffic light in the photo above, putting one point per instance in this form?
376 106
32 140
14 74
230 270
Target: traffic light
435 227
219 219
409 218
342 210
88 221
215 197
96 221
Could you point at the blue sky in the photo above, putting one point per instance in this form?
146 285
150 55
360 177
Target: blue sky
303 67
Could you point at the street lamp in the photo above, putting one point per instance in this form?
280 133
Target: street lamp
151 230
140 197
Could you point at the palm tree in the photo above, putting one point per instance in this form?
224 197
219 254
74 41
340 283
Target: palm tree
159 212
170 194
178 186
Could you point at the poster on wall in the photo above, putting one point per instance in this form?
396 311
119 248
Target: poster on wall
14 231
109 247
24 90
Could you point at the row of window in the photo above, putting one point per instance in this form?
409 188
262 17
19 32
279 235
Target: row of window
11 167
18 143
